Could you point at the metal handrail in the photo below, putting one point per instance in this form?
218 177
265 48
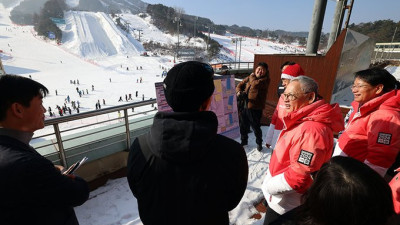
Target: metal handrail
55 122
92 142
98 112
232 65
94 149
95 132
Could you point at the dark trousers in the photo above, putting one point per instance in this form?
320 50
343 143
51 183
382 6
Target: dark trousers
251 117
270 216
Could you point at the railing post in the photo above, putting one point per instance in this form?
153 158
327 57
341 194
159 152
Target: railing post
127 131
63 158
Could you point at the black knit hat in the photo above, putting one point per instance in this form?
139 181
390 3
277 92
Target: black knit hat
188 85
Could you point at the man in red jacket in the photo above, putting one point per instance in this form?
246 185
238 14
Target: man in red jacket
275 127
372 131
305 143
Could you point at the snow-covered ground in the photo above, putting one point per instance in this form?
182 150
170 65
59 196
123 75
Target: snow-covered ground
250 46
94 51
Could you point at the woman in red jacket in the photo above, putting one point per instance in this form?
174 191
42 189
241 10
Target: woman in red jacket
372 133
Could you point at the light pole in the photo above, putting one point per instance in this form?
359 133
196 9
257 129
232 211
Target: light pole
240 49
140 31
236 39
127 28
208 41
391 43
177 20
194 31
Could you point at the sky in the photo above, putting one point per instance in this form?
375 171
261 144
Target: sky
94 54
289 15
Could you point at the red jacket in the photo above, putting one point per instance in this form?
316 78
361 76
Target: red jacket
372 135
303 146
395 186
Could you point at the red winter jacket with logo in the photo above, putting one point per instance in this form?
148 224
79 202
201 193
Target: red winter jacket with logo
372 135
303 146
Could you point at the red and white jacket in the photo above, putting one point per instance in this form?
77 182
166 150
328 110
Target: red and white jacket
372 135
395 186
303 146
276 125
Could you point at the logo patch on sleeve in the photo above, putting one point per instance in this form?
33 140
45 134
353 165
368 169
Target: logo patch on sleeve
384 138
305 157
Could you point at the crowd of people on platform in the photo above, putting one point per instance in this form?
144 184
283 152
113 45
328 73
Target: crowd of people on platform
301 135
183 172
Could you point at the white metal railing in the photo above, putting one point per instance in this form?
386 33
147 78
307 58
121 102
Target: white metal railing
61 134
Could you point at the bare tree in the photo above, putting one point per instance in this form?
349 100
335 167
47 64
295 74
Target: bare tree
179 11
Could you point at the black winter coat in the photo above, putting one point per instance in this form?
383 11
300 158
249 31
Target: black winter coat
183 172
32 190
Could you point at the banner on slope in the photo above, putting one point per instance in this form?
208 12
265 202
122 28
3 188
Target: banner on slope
51 35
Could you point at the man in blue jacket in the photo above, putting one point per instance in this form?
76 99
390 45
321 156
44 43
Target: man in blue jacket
182 171
32 190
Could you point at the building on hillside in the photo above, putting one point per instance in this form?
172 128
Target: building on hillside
387 51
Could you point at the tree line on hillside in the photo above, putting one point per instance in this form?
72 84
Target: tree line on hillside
168 19
41 21
164 18
380 31
38 13
23 13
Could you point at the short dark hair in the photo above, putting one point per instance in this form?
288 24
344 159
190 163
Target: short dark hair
375 76
347 192
14 88
287 63
263 64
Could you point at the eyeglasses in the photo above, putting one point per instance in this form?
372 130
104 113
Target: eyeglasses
291 96
352 87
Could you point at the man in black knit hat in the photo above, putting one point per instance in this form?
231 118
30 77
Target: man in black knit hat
182 171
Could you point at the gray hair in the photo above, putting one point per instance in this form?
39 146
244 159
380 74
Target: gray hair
307 84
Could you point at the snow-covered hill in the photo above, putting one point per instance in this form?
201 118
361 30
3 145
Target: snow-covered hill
94 35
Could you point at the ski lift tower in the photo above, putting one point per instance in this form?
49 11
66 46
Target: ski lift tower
236 40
